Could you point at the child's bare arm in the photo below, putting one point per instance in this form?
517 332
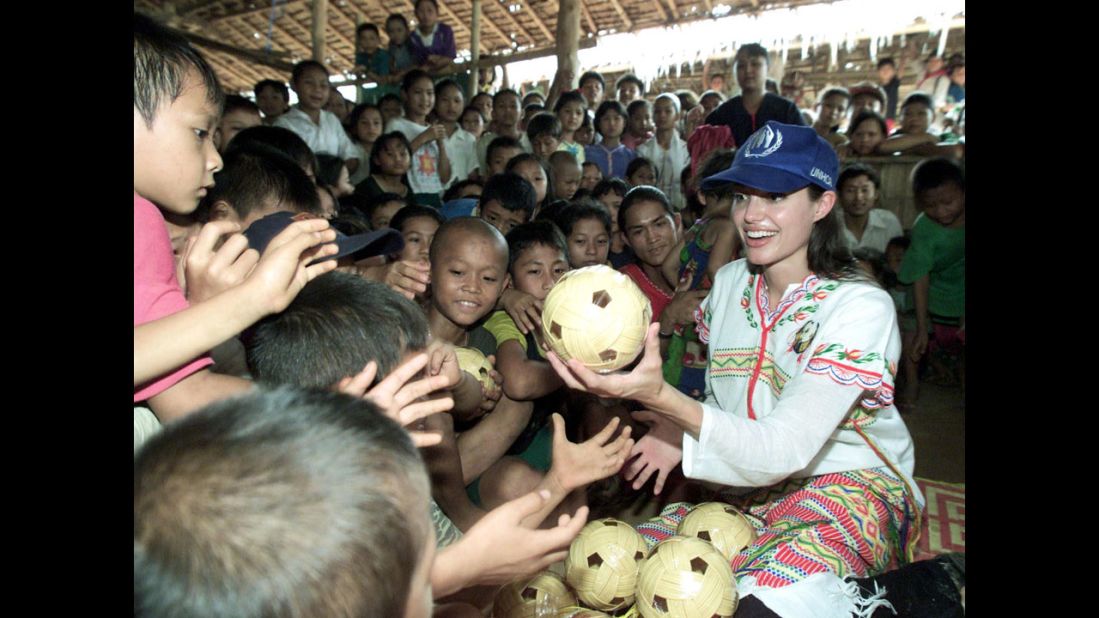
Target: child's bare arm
578 465
483 445
444 159
670 267
904 143
921 290
444 466
282 271
524 379
500 548
724 244
195 391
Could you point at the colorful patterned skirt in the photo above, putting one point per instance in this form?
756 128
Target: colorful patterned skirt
857 523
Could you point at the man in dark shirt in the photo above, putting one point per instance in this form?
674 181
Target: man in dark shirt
890 81
748 111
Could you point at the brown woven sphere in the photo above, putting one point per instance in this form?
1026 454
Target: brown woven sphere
685 577
603 562
597 315
544 594
726 528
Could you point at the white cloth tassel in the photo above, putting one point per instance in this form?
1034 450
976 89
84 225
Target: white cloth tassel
867 605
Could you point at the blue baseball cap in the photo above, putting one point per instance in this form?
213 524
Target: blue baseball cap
781 158
380 242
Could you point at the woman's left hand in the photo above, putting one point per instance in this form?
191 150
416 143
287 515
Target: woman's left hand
658 451
643 384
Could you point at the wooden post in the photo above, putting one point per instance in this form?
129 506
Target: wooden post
320 21
568 42
475 51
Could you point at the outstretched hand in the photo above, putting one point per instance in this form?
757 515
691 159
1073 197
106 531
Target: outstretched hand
400 397
643 384
290 261
659 451
525 310
578 465
501 549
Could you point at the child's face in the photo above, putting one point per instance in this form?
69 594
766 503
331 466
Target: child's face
641 121
590 176
394 159
589 243
501 218
612 201
368 42
499 159
584 135
369 126
391 108
473 122
858 195
832 109
537 269
593 92
650 232
710 102
449 104
886 73
611 124
894 255
571 115
643 175
915 118
175 159
628 92
336 104
426 15
505 112
383 213
234 122
397 32
536 176
664 114
866 137
418 233
863 101
270 101
566 180
544 145
343 185
467 277
483 102
313 89
420 98
944 204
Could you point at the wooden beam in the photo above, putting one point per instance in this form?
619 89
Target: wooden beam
622 13
474 49
343 39
516 24
266 10
592 28
709 6
318 24
673 9
660 8
568 42
247 54
541 24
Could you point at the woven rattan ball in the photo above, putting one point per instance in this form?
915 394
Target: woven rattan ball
602 564
726 528
584 613
544 594
685 577
473 362
597 315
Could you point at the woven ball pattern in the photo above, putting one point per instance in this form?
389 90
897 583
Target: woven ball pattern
597 315
603 563
726 528
543 595
685 577
473 362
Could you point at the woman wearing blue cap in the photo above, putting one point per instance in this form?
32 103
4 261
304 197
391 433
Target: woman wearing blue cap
802 354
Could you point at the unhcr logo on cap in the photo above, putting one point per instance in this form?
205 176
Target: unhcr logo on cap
819 174
765 142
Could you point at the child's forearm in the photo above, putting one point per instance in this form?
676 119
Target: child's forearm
901 143
444 163
922 290
483 445
525 379
174 340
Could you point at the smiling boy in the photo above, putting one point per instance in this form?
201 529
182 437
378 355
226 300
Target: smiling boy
753 107
320 129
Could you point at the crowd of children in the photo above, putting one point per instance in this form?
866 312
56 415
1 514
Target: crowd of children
449 221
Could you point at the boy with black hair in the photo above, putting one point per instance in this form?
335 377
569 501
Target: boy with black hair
866 95
533 97
283 140
500 150
889 80
590 176
506 201
639 123
587 230
238 114
321 129
255 182
528 112
935 261
566 174
754 106
864 223
831 110
372 62
629 88
544 133
273 99
915 134
177 103
505 123
667 150
592 86
610 192
390 106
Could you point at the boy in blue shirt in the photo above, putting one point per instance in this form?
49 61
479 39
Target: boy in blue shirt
372 62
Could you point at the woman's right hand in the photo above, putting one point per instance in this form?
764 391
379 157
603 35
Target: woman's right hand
643 384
